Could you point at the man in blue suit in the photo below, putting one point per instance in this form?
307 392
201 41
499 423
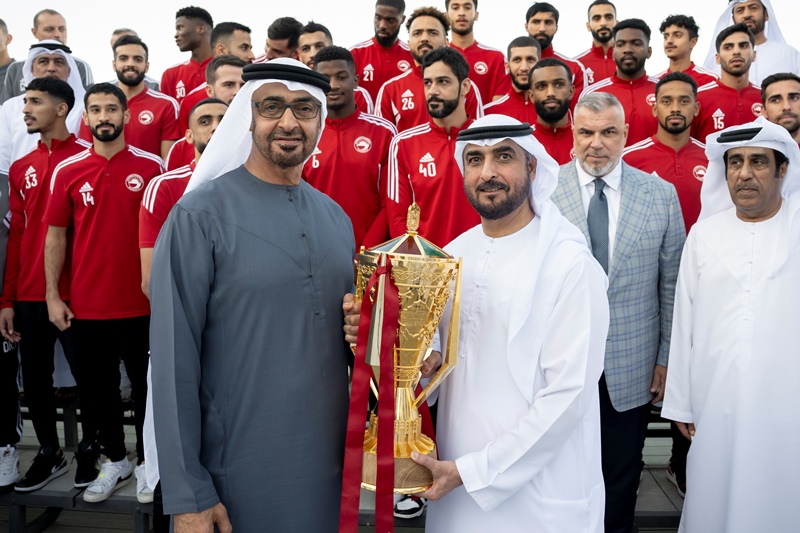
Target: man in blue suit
634 226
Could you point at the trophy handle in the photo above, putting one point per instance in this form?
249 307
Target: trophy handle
451 352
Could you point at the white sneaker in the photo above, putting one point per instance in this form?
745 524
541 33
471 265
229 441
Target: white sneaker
143 493
112 476
9 466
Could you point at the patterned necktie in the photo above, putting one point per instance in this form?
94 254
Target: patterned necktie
598 224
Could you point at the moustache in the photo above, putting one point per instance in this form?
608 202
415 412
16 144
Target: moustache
747 187
491 186
435 99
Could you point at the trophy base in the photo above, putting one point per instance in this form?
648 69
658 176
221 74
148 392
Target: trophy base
409 477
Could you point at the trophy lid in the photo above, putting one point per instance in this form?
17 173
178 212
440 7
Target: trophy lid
411 243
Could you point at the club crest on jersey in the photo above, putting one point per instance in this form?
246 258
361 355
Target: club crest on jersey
403 65
134 182
651 99
481 67
699 172
146 117
757 107
363 145
180 90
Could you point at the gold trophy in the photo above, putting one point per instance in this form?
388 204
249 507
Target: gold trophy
426 277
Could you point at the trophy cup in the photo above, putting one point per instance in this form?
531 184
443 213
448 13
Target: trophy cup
426 278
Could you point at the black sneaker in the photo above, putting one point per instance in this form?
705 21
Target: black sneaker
44 469
87 472
677 477
410 506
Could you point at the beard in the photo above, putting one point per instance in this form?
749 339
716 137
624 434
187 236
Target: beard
201 146
448 106
554 115
544 40
631 70
675 129
499 208
602 39
387 41
107 136
598 172
280 157
465 31
736 71
521 86
128 81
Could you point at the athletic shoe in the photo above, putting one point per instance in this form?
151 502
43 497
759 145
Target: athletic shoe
9 466
112 476
410 506
143 493
44 469
677 479
87 471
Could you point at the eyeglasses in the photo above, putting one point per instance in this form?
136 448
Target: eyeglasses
274 109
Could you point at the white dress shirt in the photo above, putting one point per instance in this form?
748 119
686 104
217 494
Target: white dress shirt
613 192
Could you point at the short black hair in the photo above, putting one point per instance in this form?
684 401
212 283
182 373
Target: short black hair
774 78
106 88
447 4
220 61
285 28
632 24
524 42
730 30
334 53
52 12
55 88
224 30
450 57
428 12
130 39
314 27
542 7
678 76
601 3
682 21
192 12
780 159
551 62
399 5
3 26
204 102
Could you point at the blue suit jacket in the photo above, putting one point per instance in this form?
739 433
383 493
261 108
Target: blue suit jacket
641 277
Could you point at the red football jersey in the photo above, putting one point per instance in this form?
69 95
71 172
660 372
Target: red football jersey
100 198
347 164
722 107
180 154
422 169
557 142
375 65
578 73
487 69
701 75
28 181
515 104
178 80
637 98
154 118
161 194
195 96
597 63
364 101
402 101
685 169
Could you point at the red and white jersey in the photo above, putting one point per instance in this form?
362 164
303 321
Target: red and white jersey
557 142
364 101
375 65
28 182
347 164
701 75
100 198
161 194
487 69
195 96
637 98
402 101
515 104
422 169
180 154
722 107
178 80
597 63
154 118
685 169
578 73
